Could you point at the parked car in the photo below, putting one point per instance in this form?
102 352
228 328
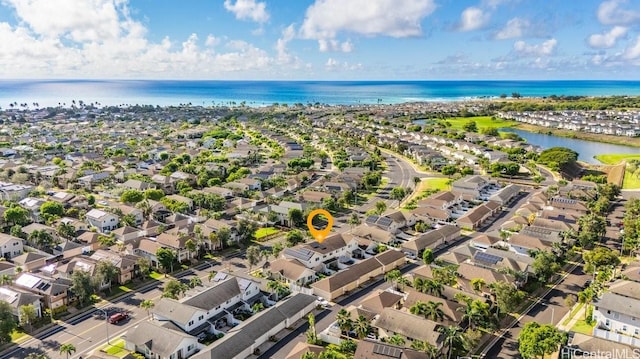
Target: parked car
118 317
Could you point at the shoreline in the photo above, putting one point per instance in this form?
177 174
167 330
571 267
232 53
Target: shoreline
594 137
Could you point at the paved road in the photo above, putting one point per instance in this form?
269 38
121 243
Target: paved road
89 331
552 305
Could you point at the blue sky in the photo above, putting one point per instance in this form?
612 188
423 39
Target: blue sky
320 39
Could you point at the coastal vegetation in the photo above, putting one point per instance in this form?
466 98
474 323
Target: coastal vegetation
560 103
481 122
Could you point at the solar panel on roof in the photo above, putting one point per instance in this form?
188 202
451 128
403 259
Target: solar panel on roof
372 219
488 258
387 351
385 221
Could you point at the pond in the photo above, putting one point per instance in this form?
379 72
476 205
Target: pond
586 149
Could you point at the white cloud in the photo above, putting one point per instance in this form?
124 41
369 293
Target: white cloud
513 29
212 41
544 49
326 45
335 65
473 18
633 52
325 19
610 13
248 10
608 39
77 20
46 45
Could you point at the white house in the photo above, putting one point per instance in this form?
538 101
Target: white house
104 221
208 305
617 313
17 298
317 255
10 246
157 340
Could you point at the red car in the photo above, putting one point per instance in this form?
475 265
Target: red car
118 317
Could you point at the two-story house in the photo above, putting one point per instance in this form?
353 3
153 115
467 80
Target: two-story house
617 313
319 256
105 222
18 298
210 305
10 246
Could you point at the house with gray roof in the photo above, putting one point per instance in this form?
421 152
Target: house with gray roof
617 316
241 341
160 340
203 306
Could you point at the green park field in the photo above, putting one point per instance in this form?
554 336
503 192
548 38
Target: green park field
615 158
481 122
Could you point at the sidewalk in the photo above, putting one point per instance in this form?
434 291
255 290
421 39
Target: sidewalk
576 317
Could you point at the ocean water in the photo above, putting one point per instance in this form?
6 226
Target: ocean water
262 93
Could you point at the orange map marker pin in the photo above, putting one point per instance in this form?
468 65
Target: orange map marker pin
320 234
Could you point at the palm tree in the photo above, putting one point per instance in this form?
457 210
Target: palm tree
6 279
431 350
396 339
343 318
401 283
67 349
256 307
478 284
211 275
277 288
392 276
434 287
453 339
194 282
361 327
433 311
36 356
416 180
147 305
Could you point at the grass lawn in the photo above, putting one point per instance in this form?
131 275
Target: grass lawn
630 181
116 348
17 336
581 326
267 231
481 122
155 275
439 183
615 158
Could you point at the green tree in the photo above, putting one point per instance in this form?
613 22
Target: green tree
132 196
144 266
396 339
42 239
294 237
106 272
393 276
147 305
545 265
537 340
362 327
398 193
381 206
276 249
166 258
453 340
478 284
51 209
312 336
343 318
82 285
28 315
296 217
477 314
195 282
7 322
253 255
507 296
558 157
470 126
174 289
191 246
427 256
67 349
66 230
16 215
449 170
154 194
598 258
592 229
